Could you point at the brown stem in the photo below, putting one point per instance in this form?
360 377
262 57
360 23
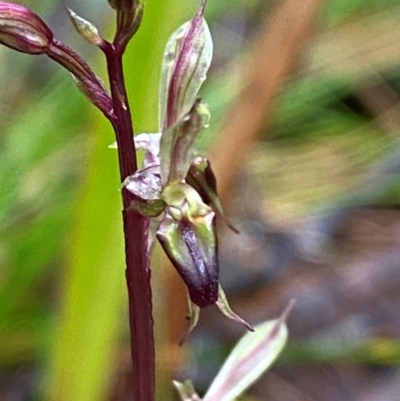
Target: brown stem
135 234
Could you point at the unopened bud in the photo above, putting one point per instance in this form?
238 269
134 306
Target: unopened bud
23 30
129 18
123 5
85 28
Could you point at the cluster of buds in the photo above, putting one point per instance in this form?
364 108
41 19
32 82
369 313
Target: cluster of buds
175 187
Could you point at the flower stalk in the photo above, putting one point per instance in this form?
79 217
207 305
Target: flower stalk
136 228
24 31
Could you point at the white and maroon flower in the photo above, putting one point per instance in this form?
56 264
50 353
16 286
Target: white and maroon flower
175 187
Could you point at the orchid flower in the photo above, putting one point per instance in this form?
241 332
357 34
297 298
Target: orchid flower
175 186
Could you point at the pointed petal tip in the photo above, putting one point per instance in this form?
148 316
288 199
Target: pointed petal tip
193 318
285 314
244 322
224 307
202 7
186 390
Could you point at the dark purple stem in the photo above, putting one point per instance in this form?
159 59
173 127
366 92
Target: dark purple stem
135 234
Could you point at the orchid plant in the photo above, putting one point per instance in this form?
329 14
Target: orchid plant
172 197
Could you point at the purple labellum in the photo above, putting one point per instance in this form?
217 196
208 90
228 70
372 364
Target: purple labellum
192 248
203 288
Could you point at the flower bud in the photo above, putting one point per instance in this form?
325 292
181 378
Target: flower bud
123 5
85 28
22 30
128 22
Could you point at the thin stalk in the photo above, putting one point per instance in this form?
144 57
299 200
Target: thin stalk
136 227
85 77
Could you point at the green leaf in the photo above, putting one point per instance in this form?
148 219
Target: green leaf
80 365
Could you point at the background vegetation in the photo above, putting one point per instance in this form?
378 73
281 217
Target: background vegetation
327 152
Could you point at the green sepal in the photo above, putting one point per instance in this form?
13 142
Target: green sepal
224 307
187 58
150 208
177 144
186 391
202 179
193 318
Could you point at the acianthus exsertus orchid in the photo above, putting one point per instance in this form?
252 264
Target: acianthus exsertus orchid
171 197
175 187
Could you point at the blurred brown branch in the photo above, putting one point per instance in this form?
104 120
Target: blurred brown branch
275 52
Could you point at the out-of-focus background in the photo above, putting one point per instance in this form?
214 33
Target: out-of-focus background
305 143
